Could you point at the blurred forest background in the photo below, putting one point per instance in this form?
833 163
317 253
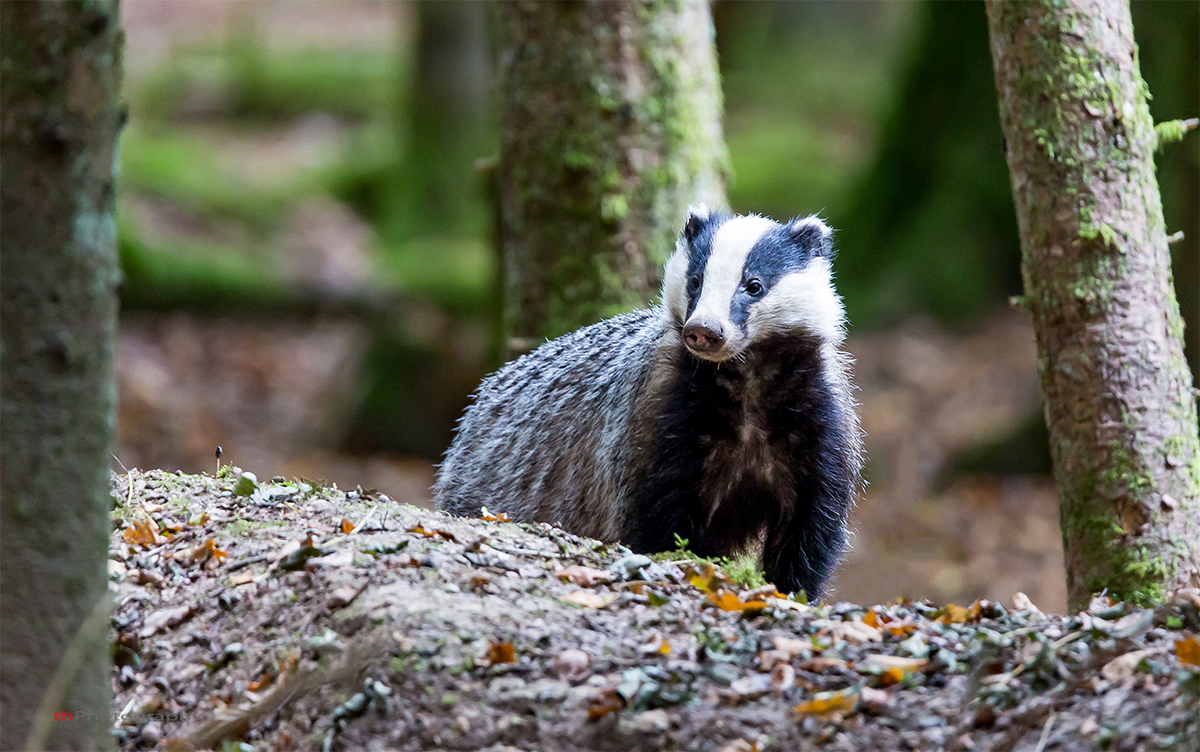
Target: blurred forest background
311 276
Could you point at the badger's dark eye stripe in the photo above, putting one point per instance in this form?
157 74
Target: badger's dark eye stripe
754 288
694 283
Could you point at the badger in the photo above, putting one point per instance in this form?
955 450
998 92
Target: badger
723 416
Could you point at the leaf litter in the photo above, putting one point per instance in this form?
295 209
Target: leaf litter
273 621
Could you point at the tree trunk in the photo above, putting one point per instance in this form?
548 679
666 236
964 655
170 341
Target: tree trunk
1118 393
610 126
59 122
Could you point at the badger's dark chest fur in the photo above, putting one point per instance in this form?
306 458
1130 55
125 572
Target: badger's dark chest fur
738 450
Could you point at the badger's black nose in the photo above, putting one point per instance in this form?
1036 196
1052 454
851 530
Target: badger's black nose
702 338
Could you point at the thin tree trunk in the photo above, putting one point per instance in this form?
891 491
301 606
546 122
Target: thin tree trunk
610 126
59 122
1118 393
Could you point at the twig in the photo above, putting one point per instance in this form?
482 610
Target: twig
77 653
242 563
1046 732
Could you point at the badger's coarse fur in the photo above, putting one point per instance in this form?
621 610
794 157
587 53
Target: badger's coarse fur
723 416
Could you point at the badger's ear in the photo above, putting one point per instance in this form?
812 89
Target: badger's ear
698 216
813 234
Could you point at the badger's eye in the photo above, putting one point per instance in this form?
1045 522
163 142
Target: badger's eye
754 288
694 283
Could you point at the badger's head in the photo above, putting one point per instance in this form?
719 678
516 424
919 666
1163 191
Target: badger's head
734 280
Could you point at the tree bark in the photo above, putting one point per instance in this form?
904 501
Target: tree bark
1119 401
610 126
61 64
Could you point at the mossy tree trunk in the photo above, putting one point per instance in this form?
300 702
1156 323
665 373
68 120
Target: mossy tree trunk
610 126
61 65
1118 394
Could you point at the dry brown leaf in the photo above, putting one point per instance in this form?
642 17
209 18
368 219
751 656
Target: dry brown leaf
828 703
498 517
891 668
607 701
952 614
768 659
584 576
245 578
656 644
853 632
143 533
420 530
1188 651
727 601
1122 667
165 618
500 652
792 646
588 598
346 526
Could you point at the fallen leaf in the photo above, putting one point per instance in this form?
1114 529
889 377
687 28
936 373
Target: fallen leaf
827 703
768 659
1122 667
245 578
727 601
656 644
261 683
500 652
165 618
347 526
707 578
588 598
891 669
420 530
573 665
787 604
609 700
584 576
792 646
498 517
201 554
853 632
1188 651
952 614
142 533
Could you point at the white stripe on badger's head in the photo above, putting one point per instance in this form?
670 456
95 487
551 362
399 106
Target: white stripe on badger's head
739 279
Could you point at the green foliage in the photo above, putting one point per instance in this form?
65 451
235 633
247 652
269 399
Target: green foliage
742 569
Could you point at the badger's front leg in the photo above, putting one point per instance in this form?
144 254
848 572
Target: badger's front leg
801 553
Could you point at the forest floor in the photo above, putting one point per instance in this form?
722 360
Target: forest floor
286 615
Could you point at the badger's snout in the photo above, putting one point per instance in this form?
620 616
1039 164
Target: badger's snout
704 337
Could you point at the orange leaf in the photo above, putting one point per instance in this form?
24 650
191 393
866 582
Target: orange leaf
728 601
823 703
498 517
953 614
420 530
142 533
1188 650
704 578
608 701
347 526
501 652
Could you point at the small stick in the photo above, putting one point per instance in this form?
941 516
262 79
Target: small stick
220 451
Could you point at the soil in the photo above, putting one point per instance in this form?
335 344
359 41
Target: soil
284 615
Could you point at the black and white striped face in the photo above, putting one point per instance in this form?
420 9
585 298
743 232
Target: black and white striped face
735 280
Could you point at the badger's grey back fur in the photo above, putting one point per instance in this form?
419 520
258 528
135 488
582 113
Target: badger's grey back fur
558 434
747 433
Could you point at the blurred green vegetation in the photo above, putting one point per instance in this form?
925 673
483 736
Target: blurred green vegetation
880 117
